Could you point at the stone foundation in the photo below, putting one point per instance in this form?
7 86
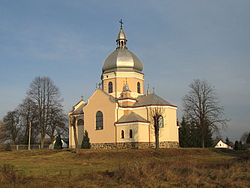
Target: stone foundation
133 145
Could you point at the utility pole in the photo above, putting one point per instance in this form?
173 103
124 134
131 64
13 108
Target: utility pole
29 135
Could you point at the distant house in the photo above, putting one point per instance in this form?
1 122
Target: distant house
221 144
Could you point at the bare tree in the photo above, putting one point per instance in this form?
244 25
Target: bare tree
3 136
45 95
12 126
28 114
156 114
202 108
244 137
58 121
248 139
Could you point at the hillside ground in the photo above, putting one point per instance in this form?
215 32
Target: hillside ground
125 168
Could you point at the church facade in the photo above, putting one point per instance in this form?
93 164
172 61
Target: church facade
119 114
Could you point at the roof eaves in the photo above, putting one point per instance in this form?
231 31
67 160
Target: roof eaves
132 122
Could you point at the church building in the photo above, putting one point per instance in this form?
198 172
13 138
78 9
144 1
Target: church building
120 114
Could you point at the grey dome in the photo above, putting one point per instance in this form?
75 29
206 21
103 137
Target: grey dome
122 59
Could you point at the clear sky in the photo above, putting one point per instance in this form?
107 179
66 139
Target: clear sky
178 41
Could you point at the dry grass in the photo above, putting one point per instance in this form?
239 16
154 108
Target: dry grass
125 168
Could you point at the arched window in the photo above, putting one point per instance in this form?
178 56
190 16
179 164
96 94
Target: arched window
110 87
138 87
99 120
80 122
161 122
130 133
122 134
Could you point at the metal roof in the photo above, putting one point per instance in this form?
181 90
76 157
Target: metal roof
122 59
132 117
151 99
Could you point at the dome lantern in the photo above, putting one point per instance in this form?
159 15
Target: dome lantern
121 38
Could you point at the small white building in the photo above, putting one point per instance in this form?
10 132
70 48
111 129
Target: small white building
64 144
221 144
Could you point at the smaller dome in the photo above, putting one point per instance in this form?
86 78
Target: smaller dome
126 88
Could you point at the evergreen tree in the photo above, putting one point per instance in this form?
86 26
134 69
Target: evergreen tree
248 139
85 141
236 145
191 135
208 138
8 147
240 146
195 135
227 141
184 134
58 143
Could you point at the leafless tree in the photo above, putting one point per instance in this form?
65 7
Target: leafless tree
201 106
57 121
12 126
3 136
156 114
244 136
46 96
28 114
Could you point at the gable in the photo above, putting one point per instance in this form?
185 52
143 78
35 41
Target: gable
100 101
100 97
104 103
78 108
221 144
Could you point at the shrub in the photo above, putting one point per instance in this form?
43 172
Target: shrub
58 143
7 147
85 141
236 145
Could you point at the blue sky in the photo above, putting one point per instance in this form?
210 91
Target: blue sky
177 41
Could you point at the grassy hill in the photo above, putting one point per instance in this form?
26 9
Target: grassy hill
125 168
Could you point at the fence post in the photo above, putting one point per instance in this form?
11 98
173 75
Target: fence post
29 135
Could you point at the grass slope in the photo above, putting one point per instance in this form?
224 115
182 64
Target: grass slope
125 168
